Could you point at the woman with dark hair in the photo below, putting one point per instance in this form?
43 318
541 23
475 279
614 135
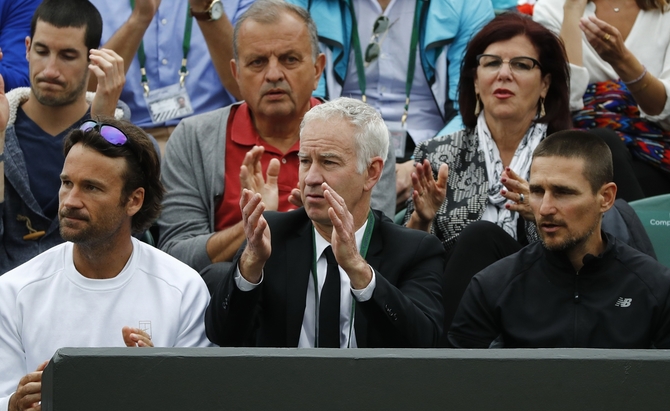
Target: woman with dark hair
619 55
513 92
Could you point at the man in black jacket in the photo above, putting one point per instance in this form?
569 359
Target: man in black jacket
384 290
580 287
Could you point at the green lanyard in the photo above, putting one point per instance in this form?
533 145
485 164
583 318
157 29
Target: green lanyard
365 244
186 46
411 66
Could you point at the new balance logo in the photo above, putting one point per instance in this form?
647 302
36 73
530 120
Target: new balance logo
623 302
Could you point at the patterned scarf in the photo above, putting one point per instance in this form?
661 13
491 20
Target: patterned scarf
495 210
609 104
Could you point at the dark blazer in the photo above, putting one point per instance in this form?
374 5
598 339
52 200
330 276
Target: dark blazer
405 309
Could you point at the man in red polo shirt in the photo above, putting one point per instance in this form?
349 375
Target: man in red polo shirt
211 157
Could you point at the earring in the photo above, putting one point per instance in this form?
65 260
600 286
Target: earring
542 112
478 108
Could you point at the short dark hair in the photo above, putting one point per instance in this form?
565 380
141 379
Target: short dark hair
71 13
552 58
142 161
598 167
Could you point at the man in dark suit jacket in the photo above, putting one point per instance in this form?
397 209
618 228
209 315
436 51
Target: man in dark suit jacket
387 275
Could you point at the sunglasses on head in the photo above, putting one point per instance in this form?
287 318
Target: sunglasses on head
110 133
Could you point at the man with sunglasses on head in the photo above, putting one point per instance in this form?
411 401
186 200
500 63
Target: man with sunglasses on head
211 157
62 54
403 57
102 288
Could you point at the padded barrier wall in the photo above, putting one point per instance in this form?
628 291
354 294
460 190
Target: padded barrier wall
104 379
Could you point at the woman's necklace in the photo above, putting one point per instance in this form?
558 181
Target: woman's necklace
616 9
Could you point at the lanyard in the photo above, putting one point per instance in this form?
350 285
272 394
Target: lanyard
186 46
411 66
365 244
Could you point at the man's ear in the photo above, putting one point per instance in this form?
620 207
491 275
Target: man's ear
319 65
27 48
607 195
374 173
233 68
135 201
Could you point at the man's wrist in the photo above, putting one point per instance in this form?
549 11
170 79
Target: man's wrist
199 5
11 405
250 267
362 274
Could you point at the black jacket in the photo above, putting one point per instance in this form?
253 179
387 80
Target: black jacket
535 298
405 309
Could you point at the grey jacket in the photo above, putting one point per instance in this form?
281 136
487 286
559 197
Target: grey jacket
19 200
193 175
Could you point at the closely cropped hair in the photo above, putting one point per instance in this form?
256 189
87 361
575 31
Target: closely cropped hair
552 59
371 136
268 12
142 161
598 167
71 13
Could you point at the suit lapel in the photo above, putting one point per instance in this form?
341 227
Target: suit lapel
374 258
299 263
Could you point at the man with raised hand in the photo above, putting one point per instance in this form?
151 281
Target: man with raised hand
62 53
211 157
334 273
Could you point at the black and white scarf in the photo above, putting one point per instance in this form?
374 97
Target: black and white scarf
495 209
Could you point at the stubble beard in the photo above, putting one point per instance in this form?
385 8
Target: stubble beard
59 99
571 242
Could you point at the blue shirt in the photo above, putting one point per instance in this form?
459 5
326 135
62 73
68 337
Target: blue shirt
387 75
15 17
163 42
43 154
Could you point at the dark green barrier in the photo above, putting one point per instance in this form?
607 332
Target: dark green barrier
330 379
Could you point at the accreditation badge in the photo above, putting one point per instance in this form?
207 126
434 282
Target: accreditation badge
398 135
168 103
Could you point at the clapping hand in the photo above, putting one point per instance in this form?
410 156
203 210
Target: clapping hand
428 194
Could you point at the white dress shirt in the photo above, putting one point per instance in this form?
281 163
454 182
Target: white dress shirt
307 332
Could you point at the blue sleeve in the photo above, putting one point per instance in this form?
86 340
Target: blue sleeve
14 28
242 6
474 15
301 3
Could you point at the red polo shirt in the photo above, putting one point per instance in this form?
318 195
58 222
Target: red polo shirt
241 137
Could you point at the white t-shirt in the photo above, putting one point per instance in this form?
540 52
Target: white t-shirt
45 304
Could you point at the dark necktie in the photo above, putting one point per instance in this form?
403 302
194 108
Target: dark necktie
329 308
